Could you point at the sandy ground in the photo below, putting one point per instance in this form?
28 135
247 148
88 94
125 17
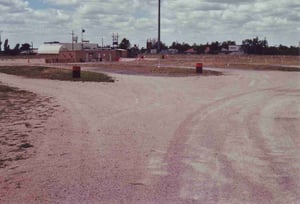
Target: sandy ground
22 118
219 139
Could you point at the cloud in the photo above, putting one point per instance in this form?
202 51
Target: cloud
190 21
63 2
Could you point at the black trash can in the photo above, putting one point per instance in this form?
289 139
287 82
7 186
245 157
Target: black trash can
76 71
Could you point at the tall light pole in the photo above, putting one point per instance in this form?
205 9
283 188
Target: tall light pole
0 41
82 31
72 40
158 42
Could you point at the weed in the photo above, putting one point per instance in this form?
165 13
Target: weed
25 145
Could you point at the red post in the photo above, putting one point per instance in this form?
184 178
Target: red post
199 67
76 71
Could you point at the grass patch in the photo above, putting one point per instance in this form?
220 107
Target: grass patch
25 145
144 69
54 73
6 89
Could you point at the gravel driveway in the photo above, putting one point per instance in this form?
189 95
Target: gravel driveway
233 138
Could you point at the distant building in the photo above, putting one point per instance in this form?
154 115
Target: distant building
50 48
169 51
234 48
80 46
55 52
153 51
190 51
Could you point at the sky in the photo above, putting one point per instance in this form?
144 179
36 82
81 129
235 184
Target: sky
190 21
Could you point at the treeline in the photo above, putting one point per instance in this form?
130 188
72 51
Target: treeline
249 46
260 47
208 48
18 49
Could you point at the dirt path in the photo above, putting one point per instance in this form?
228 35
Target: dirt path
218 139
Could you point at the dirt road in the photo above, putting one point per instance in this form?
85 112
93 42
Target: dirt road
220 139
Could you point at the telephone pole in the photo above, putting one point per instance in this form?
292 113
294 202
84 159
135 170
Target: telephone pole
82 31
0 41
72 40
158 42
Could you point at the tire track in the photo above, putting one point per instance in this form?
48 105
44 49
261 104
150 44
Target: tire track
211 147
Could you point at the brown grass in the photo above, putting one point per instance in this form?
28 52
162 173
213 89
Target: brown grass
54 73
147 69
254 62
22 115
183 65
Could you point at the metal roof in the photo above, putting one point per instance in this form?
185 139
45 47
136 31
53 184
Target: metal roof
50 49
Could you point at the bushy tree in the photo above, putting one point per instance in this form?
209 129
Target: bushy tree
255 46
226 44
181 47
125 44
8 51
6 47
25 47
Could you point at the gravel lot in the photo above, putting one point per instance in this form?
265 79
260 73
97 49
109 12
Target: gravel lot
232 138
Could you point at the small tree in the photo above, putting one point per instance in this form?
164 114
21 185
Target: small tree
16 50
25 47
6 47
125 44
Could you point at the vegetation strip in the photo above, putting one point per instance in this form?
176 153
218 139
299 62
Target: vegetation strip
22 118
54 73
151 70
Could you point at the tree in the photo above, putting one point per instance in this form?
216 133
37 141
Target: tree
215 47
226 44
255 46
25 47
180 47
125 44
6 47
134 51
162 46
8 51
16 50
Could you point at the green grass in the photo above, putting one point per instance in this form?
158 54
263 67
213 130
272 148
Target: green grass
55 74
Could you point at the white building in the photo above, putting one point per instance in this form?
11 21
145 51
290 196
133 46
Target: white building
57 47
234 48
50 48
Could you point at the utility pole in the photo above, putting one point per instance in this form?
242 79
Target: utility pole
158 42
82 31
72 40
0 41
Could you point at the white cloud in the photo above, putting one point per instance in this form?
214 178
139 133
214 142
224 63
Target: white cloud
63 2
182 20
